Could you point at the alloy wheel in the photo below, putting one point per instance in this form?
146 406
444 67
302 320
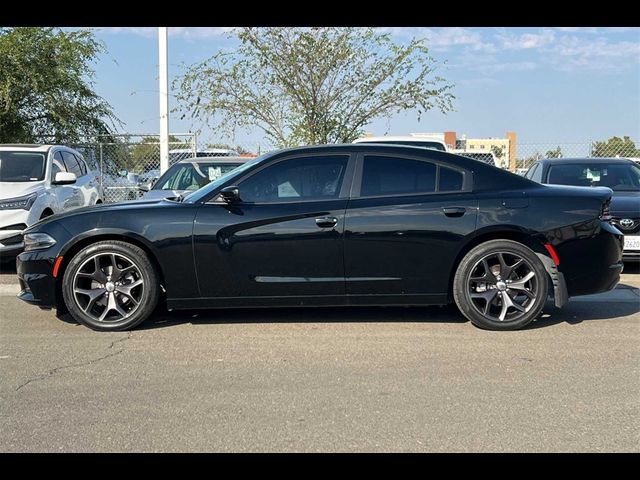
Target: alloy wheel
503 286
108 287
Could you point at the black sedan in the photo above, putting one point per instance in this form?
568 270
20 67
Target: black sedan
339 225
619 174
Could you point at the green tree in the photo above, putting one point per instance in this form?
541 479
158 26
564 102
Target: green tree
557 153
146 153
615 146
312 85
497 151
46 86
238 148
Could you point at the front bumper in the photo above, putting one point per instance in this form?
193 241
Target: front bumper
11 238
35 275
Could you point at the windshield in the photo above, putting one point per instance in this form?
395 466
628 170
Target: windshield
236 172
21 166
193 175
620 177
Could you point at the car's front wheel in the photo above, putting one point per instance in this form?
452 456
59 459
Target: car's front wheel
500 285
110 285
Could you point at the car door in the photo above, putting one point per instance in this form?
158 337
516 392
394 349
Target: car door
404 226
284 238
75 199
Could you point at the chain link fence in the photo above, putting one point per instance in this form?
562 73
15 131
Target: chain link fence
528 153
123 161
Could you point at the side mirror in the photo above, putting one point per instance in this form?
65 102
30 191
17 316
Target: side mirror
145 187
64 178
230 194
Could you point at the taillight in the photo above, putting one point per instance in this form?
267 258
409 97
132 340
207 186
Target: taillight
605 214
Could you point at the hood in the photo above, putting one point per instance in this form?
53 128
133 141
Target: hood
159 194
19 189
105 208
625 204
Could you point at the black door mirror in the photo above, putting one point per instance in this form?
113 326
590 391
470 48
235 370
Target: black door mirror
230 194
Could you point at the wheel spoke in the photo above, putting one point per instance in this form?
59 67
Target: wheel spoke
94 294
509 269
126 289
521 282
98 275
506 303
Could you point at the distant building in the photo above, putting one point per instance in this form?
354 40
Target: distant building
503 148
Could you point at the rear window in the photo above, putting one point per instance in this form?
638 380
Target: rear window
617 176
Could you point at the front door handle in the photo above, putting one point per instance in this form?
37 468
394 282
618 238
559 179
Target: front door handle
454 211
326 222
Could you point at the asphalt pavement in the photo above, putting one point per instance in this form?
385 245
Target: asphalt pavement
307 380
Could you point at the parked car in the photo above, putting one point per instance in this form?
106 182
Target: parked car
357 224
619 174
411 140
189 175
37 181
178 154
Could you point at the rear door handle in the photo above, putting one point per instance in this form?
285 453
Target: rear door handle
454 211
326 222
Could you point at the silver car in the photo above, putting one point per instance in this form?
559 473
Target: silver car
190 174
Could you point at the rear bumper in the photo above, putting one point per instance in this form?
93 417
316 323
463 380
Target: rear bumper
631 256
593 264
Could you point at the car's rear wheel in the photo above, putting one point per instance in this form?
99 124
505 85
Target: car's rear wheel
500 285
110 285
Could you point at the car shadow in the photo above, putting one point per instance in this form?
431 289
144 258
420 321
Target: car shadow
574 313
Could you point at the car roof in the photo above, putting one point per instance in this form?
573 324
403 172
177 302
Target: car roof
221 159
592 160
27 147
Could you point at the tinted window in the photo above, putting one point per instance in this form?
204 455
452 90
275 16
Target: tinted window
531 171
450 180
57 165
71 163
617 176
21 166
296 179
192 175
83 165
391 176
536 175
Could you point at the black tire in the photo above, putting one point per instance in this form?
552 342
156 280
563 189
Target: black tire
471 279
137 305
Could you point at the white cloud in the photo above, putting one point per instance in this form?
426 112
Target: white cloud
514 41
184 32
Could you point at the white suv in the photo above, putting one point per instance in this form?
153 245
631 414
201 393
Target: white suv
37 181
414 140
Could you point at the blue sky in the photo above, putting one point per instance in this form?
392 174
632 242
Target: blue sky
555 85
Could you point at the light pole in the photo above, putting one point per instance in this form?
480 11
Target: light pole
164 99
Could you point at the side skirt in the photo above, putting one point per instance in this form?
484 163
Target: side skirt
306 301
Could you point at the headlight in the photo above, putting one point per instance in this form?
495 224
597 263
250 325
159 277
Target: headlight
18 202
37 241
